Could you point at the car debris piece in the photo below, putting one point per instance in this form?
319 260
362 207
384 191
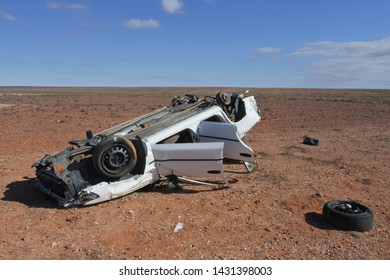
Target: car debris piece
348 215
189 138
178 227
310 141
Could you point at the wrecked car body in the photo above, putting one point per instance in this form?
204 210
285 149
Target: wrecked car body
189 138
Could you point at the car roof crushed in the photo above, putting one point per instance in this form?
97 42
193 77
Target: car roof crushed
144 150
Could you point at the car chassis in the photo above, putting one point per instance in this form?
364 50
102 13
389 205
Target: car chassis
189 138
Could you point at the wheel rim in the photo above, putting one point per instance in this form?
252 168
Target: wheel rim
115 159
349 208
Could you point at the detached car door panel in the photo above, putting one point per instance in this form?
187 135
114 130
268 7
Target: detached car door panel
234 147
189 159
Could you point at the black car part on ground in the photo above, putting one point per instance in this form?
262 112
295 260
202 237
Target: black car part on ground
348 215
310 141
114 157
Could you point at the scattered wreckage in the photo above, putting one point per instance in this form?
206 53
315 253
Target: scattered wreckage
189 138
348 215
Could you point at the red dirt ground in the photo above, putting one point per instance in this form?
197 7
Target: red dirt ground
274 213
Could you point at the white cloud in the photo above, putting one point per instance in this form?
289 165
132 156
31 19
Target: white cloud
9 17
172 6
66 6
268 50
346 49
360 63
142 23
77 12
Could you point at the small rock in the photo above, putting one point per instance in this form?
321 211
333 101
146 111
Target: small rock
54 244
96 254
365 181
319 195
71 219
128 214
356 235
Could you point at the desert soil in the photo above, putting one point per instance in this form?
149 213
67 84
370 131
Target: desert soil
274 213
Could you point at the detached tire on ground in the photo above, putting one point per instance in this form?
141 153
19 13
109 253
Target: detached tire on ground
348 215
114 157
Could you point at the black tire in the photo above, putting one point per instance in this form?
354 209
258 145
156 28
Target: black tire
114 157
348 215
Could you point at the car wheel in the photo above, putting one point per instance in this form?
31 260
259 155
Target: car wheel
348 215
114 157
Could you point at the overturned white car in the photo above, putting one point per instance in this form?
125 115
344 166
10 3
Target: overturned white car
189 138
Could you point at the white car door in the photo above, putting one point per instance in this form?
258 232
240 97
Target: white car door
234 147
189 159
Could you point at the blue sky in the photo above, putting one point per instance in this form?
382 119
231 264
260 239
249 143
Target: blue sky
223 43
